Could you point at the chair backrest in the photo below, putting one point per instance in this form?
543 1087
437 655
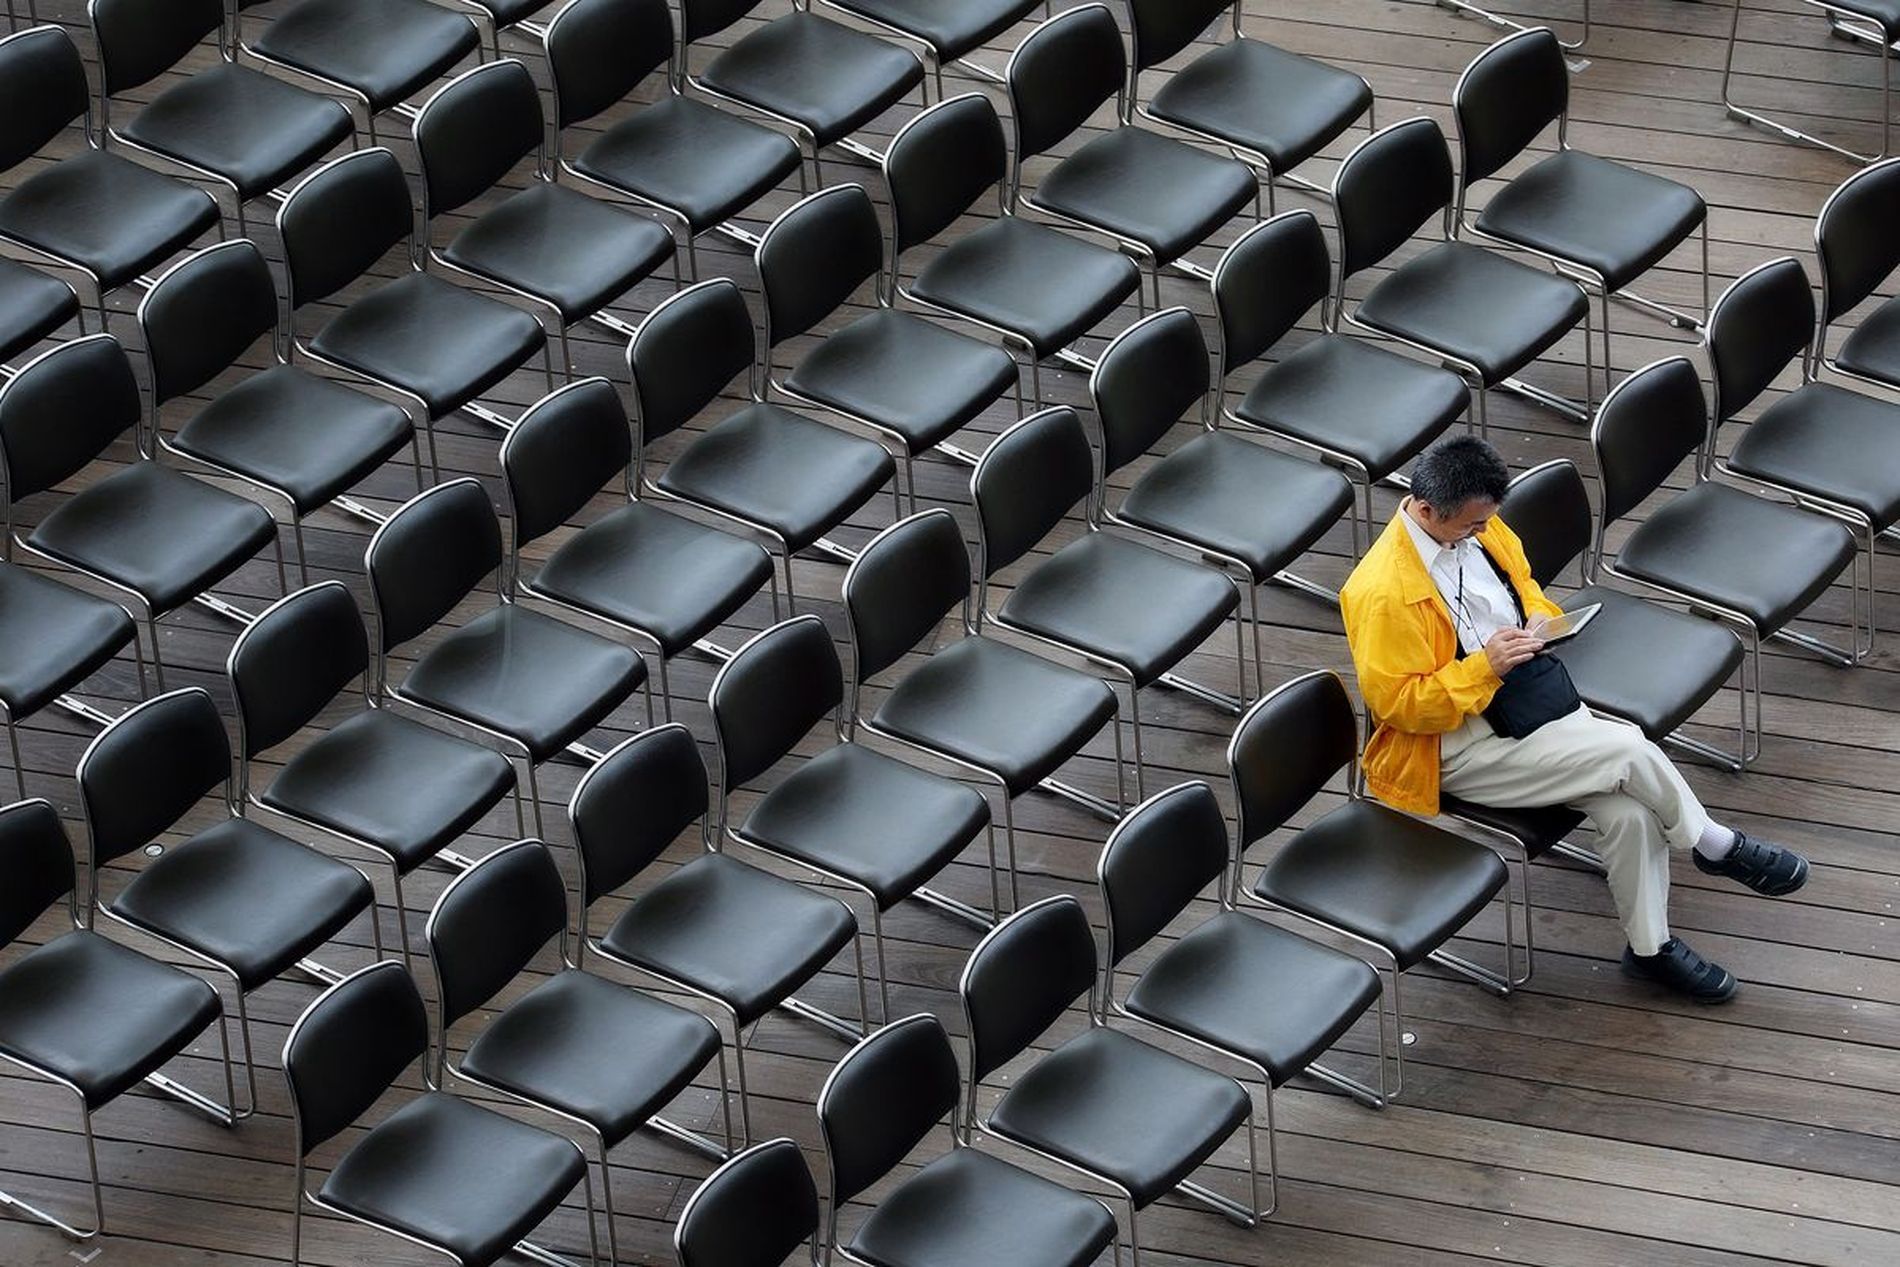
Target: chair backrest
1646 425
289 663
940 163
349 1047
910 576
1022 977
690 346
634 803
1163 28
700 18
146 770
814 256
1510 92
203 313
751 1212
1288 746
1026 481
882 1099
139 40
1854 237
42 89
771 693
1148 379
599 51
1549 509
490 923
1266 282
341 219
473 131
1157 861
1061 74
1397 179
565 448
61 411
429 556
1761 323
37 860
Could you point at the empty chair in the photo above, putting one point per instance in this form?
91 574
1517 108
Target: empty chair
505 15
946 32
751 1212
1872 22
55 638
1857 256
964 1205
32 306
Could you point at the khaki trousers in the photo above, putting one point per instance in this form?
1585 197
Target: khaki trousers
1606 769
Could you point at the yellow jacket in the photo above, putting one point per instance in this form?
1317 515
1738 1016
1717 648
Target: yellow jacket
1406 653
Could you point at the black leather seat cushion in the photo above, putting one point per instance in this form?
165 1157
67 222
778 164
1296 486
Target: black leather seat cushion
508 12
659 572
1242 499
596 1050
1152 189
1538 828
869 818
998 707
1822 439
703 162
32 306
309 436
254 130
107 214
415 43
1354 397
1475 305
438 340
156 531
98 1014
1767 560
54 635
823 75
735 932
781 470
1645 662
905 373
1385 876
1615 220
969 1207
247 897
532 677
1873 347
1044 285
381 777
552 241
951 29
1260 991
456 1175
1263 98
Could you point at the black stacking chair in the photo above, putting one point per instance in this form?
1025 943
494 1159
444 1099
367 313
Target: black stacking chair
239 897
853 815
946 32
697 164
1122 1112
557 247
1005 713
1858 253
1126 606
530 681
381 781
147 530
1271 108
304 439
964 1205
782 474
93 212
83 1012
1156 196
1485 315
506 15
1037 288
914 382
662 577
56 637
578 1046
32 306
734 935
751 1212
439 1172
1871 22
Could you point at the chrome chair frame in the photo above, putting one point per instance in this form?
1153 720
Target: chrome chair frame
1467 8
1843 25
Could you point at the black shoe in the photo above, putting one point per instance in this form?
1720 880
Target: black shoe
1684 971
1767 868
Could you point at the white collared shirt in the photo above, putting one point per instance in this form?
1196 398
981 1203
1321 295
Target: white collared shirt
1481 605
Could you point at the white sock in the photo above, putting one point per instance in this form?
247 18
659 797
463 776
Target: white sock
1715 842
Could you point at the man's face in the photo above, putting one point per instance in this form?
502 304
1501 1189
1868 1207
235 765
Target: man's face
1460 524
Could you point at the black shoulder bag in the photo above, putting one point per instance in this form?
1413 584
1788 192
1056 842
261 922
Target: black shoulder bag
1536 692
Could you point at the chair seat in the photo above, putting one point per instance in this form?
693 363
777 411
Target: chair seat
1255 95
456 1175
951 30
1838 444
1872 348
32 306
1647 663
254 130
1163 193
998 707
1385 876
1353 397
1475 306
1538 828
541 681
1886 13
156 531
1241 499
1123 601
703 162
1767 560
107 214
98 1014
1044 286
664 574
595 1050
579 252
416 42
431 338
1257 990
739 934
782 471
400 785
969 1207
507 13
246 897
905 374
55 637
1614 220
826 77
1126 1110
869 818
309 436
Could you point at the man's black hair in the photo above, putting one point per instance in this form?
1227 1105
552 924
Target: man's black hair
1455 471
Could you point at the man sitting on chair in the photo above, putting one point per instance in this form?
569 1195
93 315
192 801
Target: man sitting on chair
1436 615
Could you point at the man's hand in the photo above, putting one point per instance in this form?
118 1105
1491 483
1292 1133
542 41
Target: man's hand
1509 648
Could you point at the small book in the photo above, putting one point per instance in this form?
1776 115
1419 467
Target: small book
1569 625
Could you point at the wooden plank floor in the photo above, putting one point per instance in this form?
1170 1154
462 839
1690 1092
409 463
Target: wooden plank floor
1584 1122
